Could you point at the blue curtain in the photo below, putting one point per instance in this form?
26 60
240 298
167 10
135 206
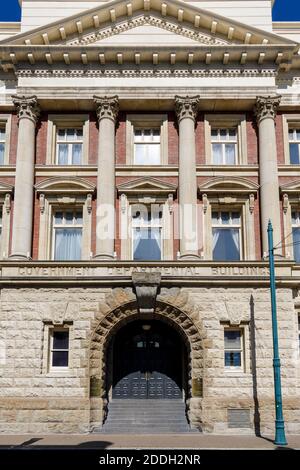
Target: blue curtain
296 239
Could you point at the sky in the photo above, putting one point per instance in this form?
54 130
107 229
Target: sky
284 10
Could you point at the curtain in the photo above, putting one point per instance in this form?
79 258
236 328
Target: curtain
2 150
76 154
226 246
230 154
236 239
216 235
62 154
296 239
68 244
217 154
146 244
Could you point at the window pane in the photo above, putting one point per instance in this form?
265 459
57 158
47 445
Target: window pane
146 244
294 154
232 133
230 154
60 340
58 218
79 134
147 133
235 217
223 134
60 358
233 359
296 241
214 133
61 134
294 217
297 134
78 217
62 154
68 244
138 135
215 217
226 244
217 154
232 339
2 133
225 218
140 154
2 151
291 134
154 154
76 154
71 134
69 217
156 135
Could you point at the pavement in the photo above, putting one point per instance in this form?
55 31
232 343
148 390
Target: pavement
143 441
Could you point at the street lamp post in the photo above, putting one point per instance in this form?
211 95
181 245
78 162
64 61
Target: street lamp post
280 438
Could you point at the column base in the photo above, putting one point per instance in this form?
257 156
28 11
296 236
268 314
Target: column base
19 257
103 257
189 256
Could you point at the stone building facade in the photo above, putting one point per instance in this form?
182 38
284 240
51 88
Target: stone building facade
144 146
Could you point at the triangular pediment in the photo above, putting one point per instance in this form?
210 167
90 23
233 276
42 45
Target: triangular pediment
146 186
112 18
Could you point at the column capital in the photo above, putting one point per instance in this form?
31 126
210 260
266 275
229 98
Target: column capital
107 107
27 107
186 107
266 107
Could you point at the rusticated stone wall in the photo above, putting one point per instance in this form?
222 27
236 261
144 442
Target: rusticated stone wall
34 399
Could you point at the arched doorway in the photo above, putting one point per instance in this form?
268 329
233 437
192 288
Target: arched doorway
149 362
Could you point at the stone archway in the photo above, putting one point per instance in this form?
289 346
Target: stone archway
174 307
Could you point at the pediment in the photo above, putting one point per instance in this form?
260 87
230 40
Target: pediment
6 188
65 185
291 187
228 185
176 17
146 186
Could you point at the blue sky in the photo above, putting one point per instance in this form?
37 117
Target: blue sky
283 10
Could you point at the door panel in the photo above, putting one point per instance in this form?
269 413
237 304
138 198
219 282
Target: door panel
147 364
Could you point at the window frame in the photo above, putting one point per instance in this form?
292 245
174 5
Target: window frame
70 145
5 122
149 143
223 121
223 143
53 330
242 367
221 226
64 210
67 121
289 121
146 121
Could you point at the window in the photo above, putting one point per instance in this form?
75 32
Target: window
59 348
146 233
67 234
224 146
294 143
296 234
233 348
147 146
0 224
226 236
299 333
69 144
2 144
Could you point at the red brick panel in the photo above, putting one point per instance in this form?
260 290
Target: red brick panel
93 140
279 139
41 140
13 140
200 141
173 139
252 140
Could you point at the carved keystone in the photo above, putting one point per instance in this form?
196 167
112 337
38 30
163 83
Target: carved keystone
146 287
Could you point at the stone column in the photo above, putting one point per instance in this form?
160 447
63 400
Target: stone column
265 111
186 110
107 111
28 114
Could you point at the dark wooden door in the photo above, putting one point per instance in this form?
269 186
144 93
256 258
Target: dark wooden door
147 362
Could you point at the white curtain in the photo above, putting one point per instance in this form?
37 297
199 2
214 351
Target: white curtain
2 150
137 236
76 154
68 243
217 154
146 244
216 236
63 154
236 239
230 154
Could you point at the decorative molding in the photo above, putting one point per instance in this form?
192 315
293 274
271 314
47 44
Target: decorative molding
285 203
7 202
266 107
251 203
89 198
186 107
146 287
123 203
154 72
205 203
107 107
42 203
171 203
27 107
152 20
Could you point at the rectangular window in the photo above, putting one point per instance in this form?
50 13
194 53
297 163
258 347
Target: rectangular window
226 236
224 146
294 143
59 348
296 235
146 234
147 146
233 348
67 235
69 143
2 144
